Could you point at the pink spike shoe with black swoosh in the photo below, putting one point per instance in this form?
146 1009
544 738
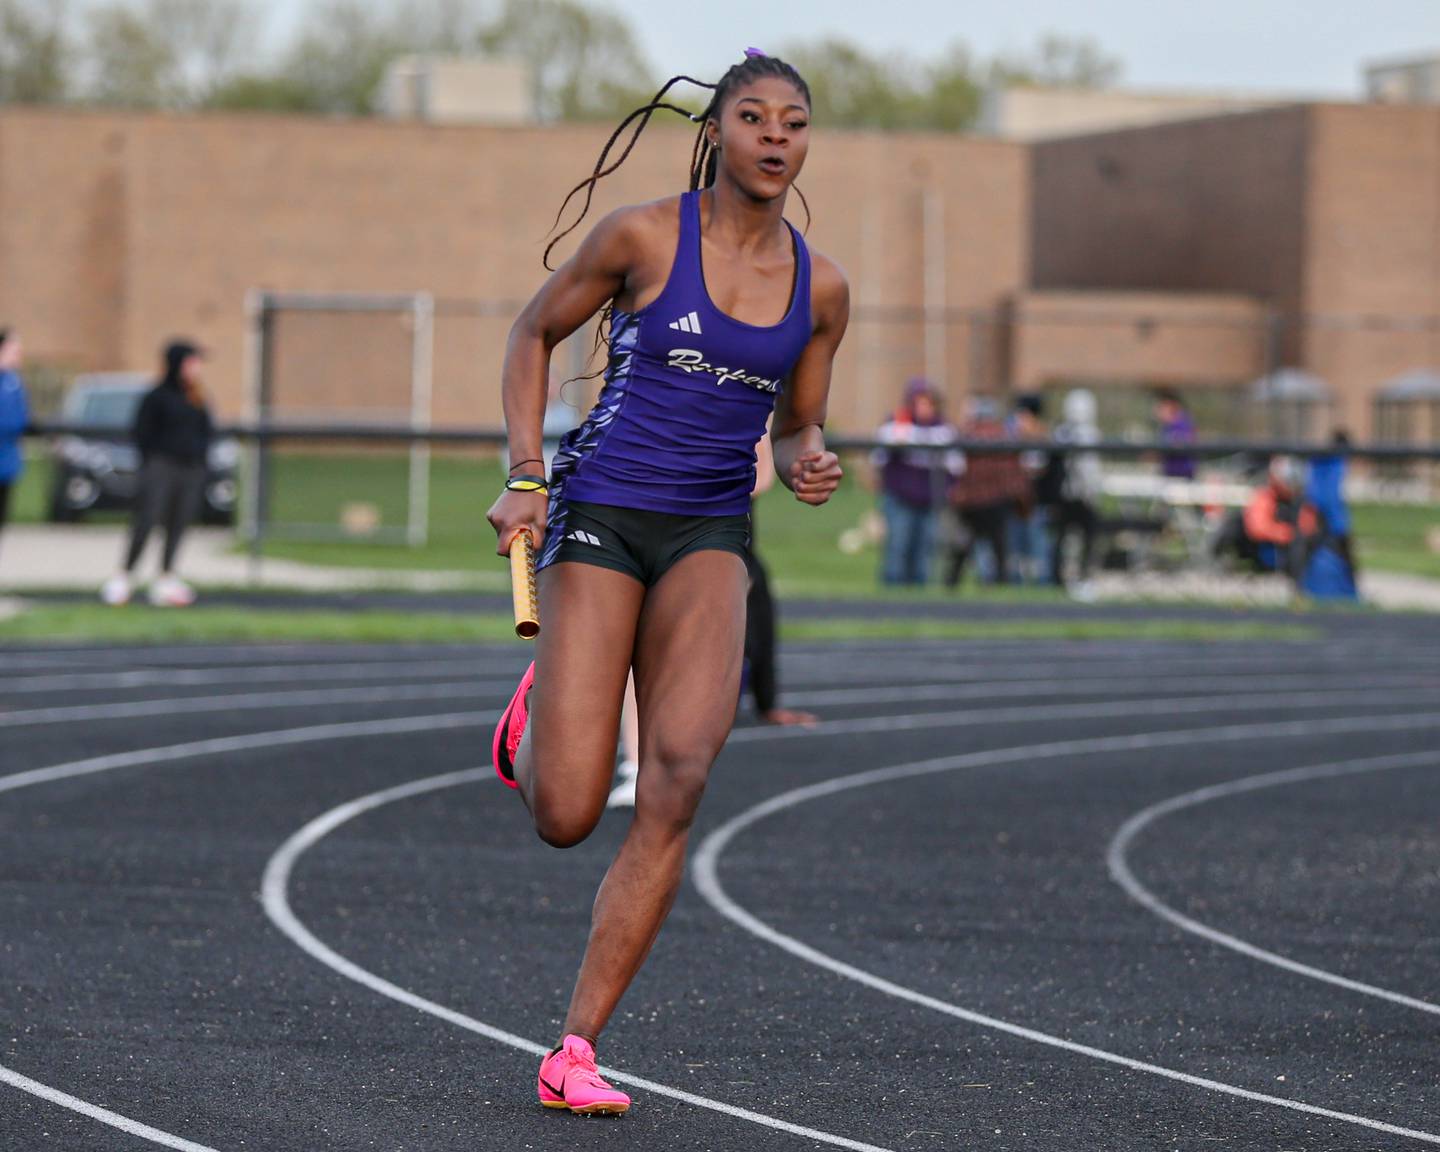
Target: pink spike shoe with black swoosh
511 728
570 1079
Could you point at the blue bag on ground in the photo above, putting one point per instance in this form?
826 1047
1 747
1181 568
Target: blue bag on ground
1328 577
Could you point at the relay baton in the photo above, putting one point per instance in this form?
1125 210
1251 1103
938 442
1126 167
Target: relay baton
522 585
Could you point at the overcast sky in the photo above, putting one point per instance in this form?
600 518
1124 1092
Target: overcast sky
1308 46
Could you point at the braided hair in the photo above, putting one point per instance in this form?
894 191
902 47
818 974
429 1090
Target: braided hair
705 156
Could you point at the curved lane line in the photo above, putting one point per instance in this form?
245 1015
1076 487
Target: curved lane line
244 702
257 674
451 687
173 752
707 881
274 895
222 744
1090 710
1088 686
104 1115
1120 872
284 737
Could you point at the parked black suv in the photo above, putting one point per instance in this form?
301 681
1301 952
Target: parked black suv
100 472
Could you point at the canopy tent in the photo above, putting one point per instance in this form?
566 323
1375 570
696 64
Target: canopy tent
1412 387
1290 404
1290 384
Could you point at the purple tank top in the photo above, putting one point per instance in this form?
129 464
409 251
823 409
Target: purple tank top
687 392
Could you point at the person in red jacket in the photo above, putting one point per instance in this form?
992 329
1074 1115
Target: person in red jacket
1279 523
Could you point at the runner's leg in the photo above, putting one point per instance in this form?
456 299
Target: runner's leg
567 756
687 676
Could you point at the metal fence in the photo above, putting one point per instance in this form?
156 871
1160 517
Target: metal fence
344 455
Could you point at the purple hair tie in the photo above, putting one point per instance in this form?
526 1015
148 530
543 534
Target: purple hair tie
751 53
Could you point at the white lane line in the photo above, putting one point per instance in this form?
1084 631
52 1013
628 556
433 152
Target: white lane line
1090 710
1120 872
274 894
1073 686
259 674
283 737
871 671
104 1115
401 670
223 744
707 880
908 722
173 752
247 702
308 735
467 688
203 655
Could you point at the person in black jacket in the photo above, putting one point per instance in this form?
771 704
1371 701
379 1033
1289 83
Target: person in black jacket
172 430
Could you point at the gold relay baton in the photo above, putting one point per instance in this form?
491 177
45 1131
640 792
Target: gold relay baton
522 585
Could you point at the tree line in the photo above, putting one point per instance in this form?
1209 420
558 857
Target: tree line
586 59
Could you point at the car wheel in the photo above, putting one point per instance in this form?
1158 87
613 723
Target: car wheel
61 511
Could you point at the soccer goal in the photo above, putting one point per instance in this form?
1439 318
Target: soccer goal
343 360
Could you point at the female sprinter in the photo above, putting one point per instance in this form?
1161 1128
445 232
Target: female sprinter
718 313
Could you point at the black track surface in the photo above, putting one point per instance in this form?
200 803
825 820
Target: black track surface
140 973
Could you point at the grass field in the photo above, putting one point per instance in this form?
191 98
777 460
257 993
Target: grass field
799 543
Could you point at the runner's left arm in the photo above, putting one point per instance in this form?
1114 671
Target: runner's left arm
802 462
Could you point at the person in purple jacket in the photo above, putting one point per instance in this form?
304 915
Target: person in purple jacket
718 312
14 417
1174 425
913 483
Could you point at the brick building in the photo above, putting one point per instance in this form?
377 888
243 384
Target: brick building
118 229
1204 253
1322 220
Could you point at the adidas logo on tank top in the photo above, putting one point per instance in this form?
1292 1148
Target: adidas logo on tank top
687 391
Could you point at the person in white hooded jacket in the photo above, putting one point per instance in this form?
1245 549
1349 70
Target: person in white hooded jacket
1078 490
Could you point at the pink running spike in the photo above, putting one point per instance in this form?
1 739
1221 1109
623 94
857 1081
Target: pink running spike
511 728
569 1079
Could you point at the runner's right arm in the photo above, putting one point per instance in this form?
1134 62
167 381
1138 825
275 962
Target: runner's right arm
574 293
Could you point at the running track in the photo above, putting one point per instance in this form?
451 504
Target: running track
1041 896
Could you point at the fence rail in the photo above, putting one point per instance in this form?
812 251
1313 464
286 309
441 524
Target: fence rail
301 433
266 505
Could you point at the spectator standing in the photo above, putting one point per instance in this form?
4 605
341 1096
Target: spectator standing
1326 490
1027 532
14 416
910 494
1174 426
990 489
173 430
1073 486
1330 570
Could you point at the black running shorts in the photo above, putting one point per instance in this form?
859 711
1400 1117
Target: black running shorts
641 544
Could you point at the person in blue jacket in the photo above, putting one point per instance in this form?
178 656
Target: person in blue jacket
14 416
1332 572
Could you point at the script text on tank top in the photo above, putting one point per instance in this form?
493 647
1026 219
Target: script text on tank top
691 361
